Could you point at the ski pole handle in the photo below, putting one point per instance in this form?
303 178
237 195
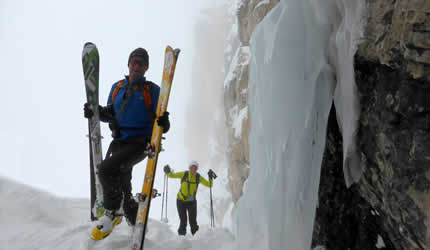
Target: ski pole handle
212 174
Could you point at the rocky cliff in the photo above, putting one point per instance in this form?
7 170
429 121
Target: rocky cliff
393 78
248 14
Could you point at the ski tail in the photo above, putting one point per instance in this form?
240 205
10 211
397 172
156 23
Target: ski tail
92 180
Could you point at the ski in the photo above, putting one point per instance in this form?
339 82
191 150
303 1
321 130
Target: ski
138 237
90 63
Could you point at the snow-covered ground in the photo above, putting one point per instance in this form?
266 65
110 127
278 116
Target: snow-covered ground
32 219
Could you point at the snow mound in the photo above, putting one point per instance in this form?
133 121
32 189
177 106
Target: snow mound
33 219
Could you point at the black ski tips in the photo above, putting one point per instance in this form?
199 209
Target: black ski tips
89 44
177 51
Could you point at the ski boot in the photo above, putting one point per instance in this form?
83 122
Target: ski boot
105 225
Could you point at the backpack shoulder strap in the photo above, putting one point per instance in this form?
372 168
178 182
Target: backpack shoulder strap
184 178
116 89
197 184
146 92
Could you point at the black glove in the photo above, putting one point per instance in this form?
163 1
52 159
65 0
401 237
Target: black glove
167 169
107 114
114 127
164 122
88 113
212 174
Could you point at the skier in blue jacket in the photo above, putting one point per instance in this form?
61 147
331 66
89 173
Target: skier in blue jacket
130 111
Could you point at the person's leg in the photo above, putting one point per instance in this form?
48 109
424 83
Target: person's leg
130 206
110 173
182 212
192 214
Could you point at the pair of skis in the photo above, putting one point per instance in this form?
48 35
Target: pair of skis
90 62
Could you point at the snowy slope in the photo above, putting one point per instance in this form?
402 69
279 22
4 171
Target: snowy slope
33 219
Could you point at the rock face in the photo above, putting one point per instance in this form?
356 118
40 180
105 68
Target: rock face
249 14
393 78
398 35
235 102
395 141
392 198
344 219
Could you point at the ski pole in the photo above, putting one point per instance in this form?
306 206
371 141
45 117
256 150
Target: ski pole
164 192
212 207
212 176
167 191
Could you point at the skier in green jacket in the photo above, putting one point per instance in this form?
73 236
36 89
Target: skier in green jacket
186 198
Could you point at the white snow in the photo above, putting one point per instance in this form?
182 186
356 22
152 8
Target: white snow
380 242
232 70
238 117
374 212
232 38
241 58
32 219
295 62
246 53
320 248
264 2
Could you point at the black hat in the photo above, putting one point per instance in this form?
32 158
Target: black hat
140 52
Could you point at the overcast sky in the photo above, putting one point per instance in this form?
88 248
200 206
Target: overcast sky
42 129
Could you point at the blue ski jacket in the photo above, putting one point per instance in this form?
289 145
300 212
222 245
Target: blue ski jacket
137 116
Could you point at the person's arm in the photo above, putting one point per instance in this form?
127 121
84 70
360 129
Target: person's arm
177 175
206 182
107 113
163 120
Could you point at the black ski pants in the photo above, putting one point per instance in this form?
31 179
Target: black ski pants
183 208
115 174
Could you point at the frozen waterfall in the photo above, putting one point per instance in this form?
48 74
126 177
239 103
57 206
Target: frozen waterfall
302 56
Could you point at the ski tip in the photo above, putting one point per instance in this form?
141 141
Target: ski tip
88 47
177 51
89 44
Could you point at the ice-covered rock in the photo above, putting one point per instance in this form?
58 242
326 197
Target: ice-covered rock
301 57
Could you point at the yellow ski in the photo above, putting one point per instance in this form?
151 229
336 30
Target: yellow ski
144 203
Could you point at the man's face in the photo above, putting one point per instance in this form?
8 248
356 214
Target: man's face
137 67
193 169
